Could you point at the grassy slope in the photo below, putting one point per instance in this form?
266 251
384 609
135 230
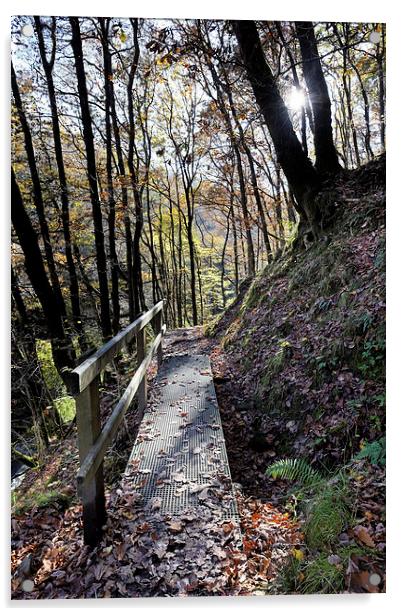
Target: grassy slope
308 339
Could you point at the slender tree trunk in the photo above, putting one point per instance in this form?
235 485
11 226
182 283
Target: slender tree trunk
260 206
109 109
91 172
65 205
187 181
381 84
175 301
243 194
181 294
191 247
92 292
347 146
245 212
201 295
296 85
156 294
253 177
342 132
17 296
278 207
243 252
162 261
37 194
346 87
325 152
235 246
223 269
367 135
139 217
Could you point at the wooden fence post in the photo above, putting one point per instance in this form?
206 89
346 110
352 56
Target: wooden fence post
142 389
158 322
93 493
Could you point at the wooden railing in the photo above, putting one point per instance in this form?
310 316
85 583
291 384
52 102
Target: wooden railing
93 439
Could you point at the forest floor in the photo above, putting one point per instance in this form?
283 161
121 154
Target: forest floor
298 365
144 553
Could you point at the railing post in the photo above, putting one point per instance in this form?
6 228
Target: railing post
158 322
93 493
142 389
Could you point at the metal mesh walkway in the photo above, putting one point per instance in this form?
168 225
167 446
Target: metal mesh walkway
179 458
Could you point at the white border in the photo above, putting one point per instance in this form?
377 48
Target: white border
341 10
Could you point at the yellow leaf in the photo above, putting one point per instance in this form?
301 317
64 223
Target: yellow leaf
298 554
123 36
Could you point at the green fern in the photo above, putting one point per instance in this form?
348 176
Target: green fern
375 452
294 469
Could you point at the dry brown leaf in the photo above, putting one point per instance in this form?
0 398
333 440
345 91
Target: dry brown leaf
363 536
175 525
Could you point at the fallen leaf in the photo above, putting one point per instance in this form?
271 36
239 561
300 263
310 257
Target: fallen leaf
362 534
120 551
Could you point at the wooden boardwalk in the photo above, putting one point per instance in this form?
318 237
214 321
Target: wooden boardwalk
179 459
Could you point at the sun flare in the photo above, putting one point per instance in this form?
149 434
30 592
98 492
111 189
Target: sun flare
296 99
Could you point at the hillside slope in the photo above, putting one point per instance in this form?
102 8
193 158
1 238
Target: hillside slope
300 366
300 373
308 340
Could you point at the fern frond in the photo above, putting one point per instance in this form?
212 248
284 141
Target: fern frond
294 469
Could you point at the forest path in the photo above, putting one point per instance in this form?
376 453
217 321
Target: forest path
179 459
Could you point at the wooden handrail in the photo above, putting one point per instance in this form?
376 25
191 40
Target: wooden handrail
98 450
93 440
80 378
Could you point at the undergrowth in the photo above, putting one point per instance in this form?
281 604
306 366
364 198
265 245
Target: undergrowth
320 575
327 507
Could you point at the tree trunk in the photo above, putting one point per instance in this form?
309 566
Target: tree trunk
245 212
235 245
139 217
298 169
254 182
17 296
325 152
223 271
278 207
156 292
181 297
65 205
37 194
109 109
381 85
296 83
191 247
346 87
76 44
243 194
62 349
367 135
